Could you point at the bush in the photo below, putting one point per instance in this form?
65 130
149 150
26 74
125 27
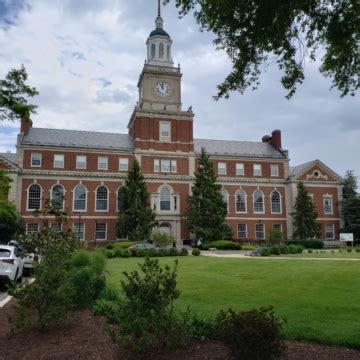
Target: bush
284 249
162 239
265 251
126 253
141 253
109 254
173 252
310 251
152 252
293 249
80 259
195 252
248 247
275 250
251 335
300 248
108 308
357 249
110 293
308 244
118 252
275 236
184 252
221 245
349 249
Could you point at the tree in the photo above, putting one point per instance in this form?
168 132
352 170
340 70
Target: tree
136 219
351 205
305 226
13 93
206 207
5 181
256 33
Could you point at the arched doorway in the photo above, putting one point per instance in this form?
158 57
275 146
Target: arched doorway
165 227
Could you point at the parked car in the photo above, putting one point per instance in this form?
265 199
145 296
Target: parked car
11 264
135 248
28 259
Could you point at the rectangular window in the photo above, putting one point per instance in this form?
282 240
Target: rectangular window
221 168
156 165
32 228
173 166
36 159
328 208
80 161
329 232
59 161
242 231
259 231
102 163
56 227
277 227
240 169
100 233
274 170
79 230
257 169
165 131
123 164
165 166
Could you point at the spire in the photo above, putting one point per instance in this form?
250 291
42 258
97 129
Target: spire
159 21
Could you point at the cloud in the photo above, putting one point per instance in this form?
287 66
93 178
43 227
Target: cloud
112 96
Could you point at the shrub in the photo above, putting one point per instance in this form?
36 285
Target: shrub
109 254
110 293
80 259
98 262
349 249
308 244
300 248
284 249
251 335
161 253
118 252
201 328
126 253
141 253
275 250
265 251
108 308
293 249
162 239
184 252
195 252
310 251
357 249
248 247
275 236
173 252
221 245
109 246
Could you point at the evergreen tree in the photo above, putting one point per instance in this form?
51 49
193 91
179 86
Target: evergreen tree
351 205
305 226
206 207
136 219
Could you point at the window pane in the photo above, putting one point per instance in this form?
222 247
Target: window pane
239 169
165 166
258 202
35 159
259 231
101 198
329 231
240 201
156 165
79 230
100 233
173 166
34 197
56 227
80 198
103 163
121 195
58 161
123 164
328 205
242 231
222 168
275 203
164 130
165 199
257 170
32 228
274 170
57 197
81 162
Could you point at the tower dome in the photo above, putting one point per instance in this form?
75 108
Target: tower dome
159 44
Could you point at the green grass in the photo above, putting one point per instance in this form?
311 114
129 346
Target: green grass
327 254
320 299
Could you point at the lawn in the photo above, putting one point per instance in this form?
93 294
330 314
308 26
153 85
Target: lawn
328 254
320 299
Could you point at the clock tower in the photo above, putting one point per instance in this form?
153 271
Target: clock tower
158 122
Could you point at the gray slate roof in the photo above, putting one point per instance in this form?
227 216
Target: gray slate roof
9 156
113 141
238 148
296 170
78 139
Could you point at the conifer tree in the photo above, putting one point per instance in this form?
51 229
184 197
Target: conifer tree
305 225
136 219
206 207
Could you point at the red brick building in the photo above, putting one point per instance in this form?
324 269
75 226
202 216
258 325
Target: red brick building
89 168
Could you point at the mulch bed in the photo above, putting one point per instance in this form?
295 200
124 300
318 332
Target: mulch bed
85 338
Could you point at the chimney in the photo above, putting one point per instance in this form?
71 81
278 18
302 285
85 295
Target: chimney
25 126
266 138
276 139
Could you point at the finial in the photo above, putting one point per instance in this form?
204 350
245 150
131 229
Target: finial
159 9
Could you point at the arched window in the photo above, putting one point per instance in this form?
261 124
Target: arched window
80 198
34 197
165 199
258 201
225 195
240 201
101 198
161 50
152 51
275 202
168 52
57 197
120 199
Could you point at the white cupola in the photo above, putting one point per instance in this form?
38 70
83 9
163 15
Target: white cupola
159 44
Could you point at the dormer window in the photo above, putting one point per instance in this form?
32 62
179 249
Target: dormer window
165 131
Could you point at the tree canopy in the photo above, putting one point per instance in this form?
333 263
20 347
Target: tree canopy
257 33
13 96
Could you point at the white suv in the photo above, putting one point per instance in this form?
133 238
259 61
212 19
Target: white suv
11 264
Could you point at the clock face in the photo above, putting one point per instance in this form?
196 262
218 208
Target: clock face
162 88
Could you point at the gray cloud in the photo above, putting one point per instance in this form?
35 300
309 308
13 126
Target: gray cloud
112 96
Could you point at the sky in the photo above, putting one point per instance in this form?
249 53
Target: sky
85 58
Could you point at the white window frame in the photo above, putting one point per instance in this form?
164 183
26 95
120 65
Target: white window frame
257 170
156 165
245 195
107 199
99 162
86 198
123 164
277 224
222 170
246 231
173 166
64 192
163 162
328 197
240 169
32 232
276 172
117 198
263 226
62 162
263 202
52 225
81 162
333 232
77 232
168 131
280 202
32 159
27 197
96 239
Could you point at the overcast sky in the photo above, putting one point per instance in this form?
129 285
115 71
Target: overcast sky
85 57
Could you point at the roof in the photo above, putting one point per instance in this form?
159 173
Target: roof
296 170
78 139
11 157
159 32
238 148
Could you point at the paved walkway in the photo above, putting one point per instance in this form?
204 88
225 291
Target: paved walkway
243 256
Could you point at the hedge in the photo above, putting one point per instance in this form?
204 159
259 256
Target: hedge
308 244
221 245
